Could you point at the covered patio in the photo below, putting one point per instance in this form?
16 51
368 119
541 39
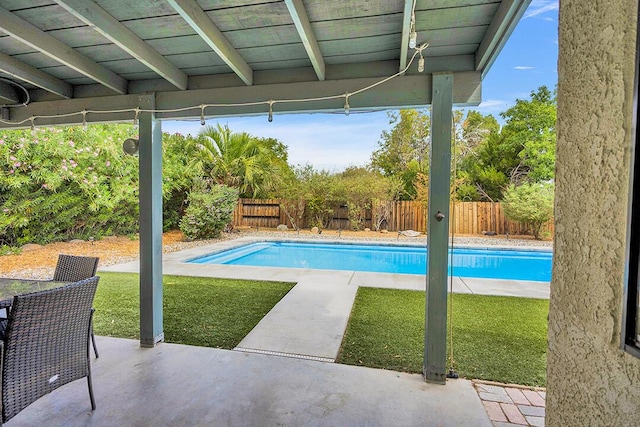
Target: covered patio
75 62
195 386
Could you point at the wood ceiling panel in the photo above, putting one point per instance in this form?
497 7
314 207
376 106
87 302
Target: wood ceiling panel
49 18
160 27
25 4
258 16
37 60
365 44
62 72
455 17
105 52
127 10
181 44
126 66
10 46
286 52
358 27
79 36
461 36
323 10
199 59
276 65
362 57
256 37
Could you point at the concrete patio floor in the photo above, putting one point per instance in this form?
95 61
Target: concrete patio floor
181 385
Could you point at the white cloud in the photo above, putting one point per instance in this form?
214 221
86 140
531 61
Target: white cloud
538 7
523 67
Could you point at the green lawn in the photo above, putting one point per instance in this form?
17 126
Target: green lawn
197 311
494 338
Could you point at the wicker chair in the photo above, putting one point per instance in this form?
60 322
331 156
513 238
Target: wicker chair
47 344
71 268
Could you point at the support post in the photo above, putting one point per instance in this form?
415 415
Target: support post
435 330
150 137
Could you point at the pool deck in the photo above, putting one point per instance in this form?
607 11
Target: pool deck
309 322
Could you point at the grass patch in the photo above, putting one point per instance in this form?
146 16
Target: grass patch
197 310
495 338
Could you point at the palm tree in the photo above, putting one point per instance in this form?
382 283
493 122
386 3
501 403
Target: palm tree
239 160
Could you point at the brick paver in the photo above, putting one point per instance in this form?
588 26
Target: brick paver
494 411
512 405
517 396
534 397
513 414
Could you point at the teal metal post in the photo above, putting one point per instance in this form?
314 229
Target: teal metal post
435 330
150 152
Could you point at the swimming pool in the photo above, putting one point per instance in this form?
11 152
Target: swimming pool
467 262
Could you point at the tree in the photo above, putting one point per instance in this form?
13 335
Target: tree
531 204
252 165
530 129
362 187
522 151
404 150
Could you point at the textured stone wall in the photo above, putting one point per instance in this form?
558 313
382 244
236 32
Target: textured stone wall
590 380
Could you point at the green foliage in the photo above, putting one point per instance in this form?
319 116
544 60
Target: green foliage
523 150
210 210
404 150
362 187
531 204
197 310
495 338
323 192
252 165
63 183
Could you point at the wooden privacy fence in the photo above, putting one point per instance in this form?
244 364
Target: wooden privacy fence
464 218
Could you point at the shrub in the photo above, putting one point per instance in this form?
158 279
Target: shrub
210 210
531 204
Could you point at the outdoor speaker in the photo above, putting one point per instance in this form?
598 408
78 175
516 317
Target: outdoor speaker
130 146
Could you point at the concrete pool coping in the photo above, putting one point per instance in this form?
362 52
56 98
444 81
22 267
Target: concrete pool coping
309 322
176 263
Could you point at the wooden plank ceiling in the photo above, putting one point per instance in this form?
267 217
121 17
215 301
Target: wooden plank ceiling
70 54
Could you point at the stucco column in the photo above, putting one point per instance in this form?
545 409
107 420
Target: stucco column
151 329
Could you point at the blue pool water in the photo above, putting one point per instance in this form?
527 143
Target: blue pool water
483 263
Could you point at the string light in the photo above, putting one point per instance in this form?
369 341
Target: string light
346 104
33 125
135 118
413 35
137 110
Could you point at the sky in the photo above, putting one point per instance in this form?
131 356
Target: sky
527 61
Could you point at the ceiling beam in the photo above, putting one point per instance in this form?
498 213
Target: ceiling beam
411 91
200 22
406 30
504 22
32 36
8 94
92 14
301 20
29 74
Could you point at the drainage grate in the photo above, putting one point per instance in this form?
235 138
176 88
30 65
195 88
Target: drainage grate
279 353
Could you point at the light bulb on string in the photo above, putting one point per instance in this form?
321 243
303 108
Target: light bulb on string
33 125
202 120
135 118
346 104
413 39
421 63
84 119
270 118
